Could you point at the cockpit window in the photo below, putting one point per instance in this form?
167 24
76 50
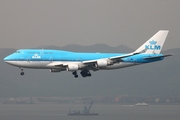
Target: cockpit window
17 51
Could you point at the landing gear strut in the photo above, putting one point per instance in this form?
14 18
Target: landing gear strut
22 73
75 74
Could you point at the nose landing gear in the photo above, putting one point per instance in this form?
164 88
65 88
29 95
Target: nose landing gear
22 73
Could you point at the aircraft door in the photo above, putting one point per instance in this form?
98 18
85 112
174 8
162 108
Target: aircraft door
51 59
42 54
28 59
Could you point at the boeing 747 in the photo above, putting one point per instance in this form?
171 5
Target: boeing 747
59 60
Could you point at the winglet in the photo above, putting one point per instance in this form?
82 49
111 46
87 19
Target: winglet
154 44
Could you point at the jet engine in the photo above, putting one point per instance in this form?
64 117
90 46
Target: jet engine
103 63
55 70
72 67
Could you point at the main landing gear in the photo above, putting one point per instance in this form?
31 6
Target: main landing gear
75 74
22 73
84 73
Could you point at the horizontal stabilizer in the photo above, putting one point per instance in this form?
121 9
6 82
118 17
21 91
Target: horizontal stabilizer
156 57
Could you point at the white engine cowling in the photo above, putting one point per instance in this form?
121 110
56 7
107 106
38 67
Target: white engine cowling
72 67
55 70
101 63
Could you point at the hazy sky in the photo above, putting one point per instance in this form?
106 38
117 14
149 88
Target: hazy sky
32 23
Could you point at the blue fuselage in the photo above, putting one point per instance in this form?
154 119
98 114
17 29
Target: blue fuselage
31 57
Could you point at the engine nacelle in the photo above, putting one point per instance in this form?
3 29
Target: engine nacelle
101 63
55 70
72 67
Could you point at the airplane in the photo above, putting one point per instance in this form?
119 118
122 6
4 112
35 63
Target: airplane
59 60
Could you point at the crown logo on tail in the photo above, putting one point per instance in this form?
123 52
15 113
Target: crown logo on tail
152 42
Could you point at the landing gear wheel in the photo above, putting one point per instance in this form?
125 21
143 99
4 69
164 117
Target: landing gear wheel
85 73
22 73
89 75
75 74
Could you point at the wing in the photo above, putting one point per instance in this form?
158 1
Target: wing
115 59
97 64
93 64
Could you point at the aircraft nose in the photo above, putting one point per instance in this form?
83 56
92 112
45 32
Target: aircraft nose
7 59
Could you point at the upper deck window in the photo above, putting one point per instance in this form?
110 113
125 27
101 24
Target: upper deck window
47 52
33 52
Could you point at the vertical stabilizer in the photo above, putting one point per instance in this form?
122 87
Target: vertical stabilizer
154 44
